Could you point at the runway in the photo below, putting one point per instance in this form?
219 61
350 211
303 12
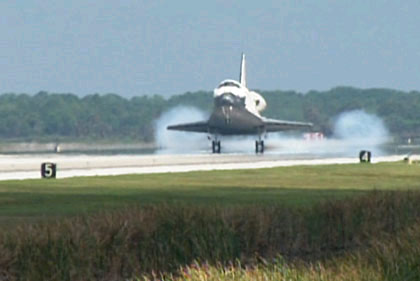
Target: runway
19 167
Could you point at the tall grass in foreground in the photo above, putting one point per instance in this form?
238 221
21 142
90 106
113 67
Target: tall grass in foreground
388 258
369 237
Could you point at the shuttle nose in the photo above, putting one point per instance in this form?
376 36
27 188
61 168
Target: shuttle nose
226 99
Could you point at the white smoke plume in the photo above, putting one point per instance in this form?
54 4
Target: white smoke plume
352 131
358 124
177 141
360 130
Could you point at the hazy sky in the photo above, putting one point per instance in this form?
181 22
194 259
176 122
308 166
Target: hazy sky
170 47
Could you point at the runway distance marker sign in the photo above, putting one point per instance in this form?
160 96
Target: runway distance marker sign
48 170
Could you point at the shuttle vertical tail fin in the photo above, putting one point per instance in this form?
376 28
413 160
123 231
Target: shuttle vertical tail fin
242 75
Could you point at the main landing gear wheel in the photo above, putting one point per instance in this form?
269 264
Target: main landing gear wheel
215 145
259 146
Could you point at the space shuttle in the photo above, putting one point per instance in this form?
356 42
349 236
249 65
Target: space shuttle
237 111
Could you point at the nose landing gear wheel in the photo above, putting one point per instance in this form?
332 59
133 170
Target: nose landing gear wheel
259 146
215 145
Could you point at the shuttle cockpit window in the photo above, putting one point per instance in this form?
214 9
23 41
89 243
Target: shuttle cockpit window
229 83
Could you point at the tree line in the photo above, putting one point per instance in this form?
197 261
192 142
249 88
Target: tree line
52 116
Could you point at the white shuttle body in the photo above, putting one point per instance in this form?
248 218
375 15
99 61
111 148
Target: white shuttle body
237 111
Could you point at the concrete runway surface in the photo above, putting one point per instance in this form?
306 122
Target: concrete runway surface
21 166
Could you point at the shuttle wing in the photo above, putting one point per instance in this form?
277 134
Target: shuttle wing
199 127
272 125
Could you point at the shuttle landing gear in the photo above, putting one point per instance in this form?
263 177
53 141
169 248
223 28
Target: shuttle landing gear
259 146
215 146
215 143
259 143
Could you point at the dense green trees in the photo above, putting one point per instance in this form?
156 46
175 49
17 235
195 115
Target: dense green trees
47 116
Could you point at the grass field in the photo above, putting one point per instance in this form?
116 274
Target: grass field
291 186
334 222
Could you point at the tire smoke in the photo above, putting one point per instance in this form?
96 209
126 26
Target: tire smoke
358 124
352 131
360 130
176 141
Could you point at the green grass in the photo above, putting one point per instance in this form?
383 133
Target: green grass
289 186
293 223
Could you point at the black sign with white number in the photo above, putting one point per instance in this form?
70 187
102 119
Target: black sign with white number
48 170
365 156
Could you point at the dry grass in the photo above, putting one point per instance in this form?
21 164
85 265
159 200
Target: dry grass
387 258
330 239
